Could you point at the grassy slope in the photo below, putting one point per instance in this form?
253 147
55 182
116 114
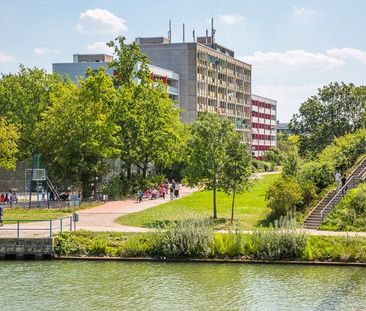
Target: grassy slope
250 207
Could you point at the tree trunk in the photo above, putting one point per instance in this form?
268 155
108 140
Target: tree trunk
144 171
214 203
232 208
129 172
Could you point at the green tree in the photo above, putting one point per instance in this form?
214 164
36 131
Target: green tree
78 132
23 98
129 63
237 169
8 148
206 153
336 110
151 131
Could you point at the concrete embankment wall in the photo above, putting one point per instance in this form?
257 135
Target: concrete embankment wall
26 248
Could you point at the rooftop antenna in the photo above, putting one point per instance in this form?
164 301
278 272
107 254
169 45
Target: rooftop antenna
184 33
194 35
170 32
206 36
212 32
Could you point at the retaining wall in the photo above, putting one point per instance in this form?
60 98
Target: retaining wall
32 248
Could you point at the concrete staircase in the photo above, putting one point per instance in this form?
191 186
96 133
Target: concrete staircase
331 199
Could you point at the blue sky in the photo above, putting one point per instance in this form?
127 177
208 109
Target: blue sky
294 46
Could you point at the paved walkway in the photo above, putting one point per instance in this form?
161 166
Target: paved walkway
103 218
100 218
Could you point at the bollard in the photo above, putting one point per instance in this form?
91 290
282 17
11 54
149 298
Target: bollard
18 231
61 225
50 228
70 223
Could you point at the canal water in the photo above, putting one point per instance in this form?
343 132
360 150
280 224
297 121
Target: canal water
93 285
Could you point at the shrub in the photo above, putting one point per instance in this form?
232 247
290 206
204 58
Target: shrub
229 245
99 247
283 196
187 238
291 165
283 240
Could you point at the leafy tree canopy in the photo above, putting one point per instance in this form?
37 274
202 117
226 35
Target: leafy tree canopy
336 110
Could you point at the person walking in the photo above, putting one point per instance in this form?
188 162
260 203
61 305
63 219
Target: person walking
140 195
337 180
344 181
176 190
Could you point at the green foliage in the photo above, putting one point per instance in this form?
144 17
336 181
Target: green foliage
344 151
78 132
320 174
283 240
113 188
336 110
343 249
350 213
24 96
284 196
187 238
9 137
291 165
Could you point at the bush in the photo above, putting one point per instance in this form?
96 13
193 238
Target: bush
284 196
283 240
187 238
229 245
113 188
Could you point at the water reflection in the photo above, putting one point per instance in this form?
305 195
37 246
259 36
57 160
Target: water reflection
83 285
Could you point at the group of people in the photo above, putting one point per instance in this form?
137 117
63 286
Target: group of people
160 191
8 198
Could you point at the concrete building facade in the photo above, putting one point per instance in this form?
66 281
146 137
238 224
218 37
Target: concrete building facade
81 62
264 116
211 79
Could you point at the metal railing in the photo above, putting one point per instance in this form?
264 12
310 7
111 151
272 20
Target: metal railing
51 227
338 192
326 195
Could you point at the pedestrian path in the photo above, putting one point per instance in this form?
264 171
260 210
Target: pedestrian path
100 218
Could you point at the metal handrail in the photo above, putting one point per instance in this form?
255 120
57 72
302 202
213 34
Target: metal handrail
364 169
341 189
364 159
51 227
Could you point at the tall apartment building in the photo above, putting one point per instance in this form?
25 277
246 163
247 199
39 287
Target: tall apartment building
264 116
81 62
211 79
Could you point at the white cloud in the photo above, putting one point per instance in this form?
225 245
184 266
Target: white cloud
6 58
100 21
293 59
231 19
303 12
100 47
348 53
289 97
42 51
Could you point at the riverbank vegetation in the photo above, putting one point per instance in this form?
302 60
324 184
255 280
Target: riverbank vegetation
196 239
251 208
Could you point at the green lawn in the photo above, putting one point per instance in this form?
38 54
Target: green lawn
250 208
40 213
